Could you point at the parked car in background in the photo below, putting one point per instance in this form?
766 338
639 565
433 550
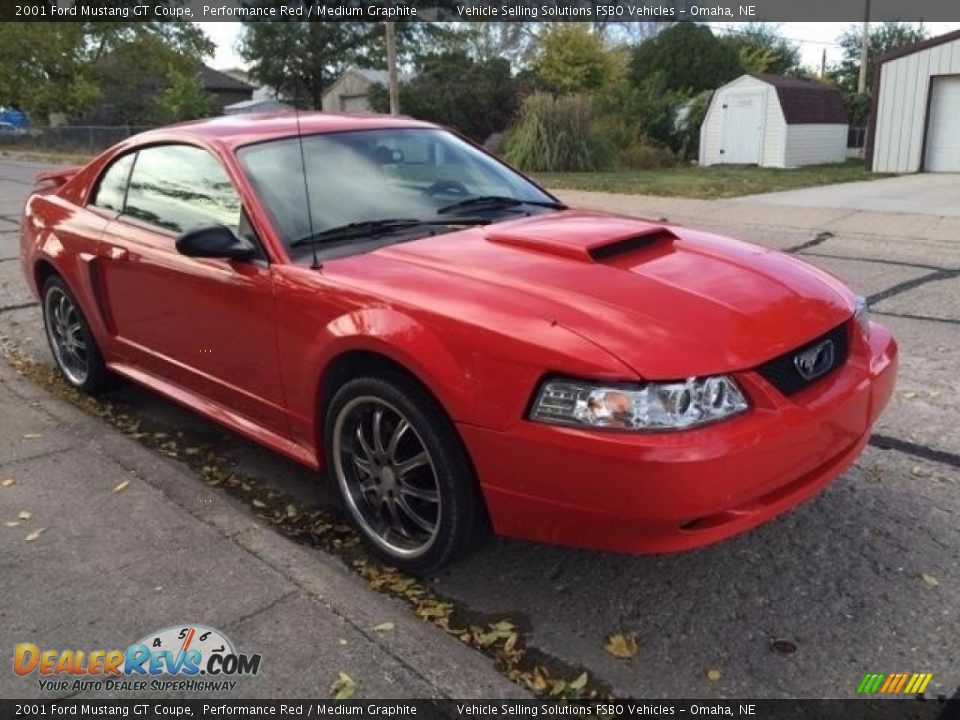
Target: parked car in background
379 298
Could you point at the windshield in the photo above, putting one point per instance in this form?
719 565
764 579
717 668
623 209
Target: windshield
369 175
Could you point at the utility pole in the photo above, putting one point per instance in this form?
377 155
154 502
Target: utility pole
392 68
823 64
864 49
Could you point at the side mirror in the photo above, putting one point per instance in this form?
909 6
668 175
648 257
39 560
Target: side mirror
215 241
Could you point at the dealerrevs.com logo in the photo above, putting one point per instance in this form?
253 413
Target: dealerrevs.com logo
180 658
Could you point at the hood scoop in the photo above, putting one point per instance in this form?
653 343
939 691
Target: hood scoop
585 237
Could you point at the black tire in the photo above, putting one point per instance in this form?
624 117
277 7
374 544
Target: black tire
84 370
459 519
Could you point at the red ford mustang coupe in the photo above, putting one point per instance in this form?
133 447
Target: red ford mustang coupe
380 298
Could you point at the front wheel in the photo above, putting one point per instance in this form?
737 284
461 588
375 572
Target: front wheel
402 472
74 349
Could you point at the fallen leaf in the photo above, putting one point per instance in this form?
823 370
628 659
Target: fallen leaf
292 511
620 645
342 641
909 395
511 643
384 627
714 674
259 504
503 625
343 687
121 486
917 471
929 579
34 535
7 482
32 436
580 683
24 514
12 523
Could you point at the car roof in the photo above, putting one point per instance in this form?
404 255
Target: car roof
246 128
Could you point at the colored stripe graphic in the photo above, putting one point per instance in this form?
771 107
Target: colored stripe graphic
870 683
894 683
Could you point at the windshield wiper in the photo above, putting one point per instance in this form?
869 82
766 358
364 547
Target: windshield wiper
495 201
372 228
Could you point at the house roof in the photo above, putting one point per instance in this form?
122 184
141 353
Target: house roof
374 76
807 102
216 80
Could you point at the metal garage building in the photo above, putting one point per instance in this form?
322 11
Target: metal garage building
915 112
774 121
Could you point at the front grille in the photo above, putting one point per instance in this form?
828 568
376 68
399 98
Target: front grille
782 373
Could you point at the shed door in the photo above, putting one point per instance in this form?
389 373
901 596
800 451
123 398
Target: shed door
943 130
742 128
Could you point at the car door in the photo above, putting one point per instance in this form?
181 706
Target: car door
201 324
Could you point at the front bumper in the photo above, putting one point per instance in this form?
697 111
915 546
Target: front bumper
664 492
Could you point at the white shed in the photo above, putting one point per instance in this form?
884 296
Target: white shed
915 106
774 121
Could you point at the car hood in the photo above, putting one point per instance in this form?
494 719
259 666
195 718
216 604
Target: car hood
667 301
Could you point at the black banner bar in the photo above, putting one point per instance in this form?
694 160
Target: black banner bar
887 709
479 10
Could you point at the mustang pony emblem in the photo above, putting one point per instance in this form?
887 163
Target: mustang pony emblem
814 362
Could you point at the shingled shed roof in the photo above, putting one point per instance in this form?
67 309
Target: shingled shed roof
807 102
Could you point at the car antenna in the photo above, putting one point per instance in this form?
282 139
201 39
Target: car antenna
315 265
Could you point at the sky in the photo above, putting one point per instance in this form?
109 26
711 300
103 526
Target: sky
812 37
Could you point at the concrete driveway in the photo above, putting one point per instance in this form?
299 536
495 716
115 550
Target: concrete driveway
923 194
863 578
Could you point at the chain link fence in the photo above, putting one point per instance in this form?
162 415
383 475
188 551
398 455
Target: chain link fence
81 139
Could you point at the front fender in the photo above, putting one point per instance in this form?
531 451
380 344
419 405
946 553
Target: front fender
409 343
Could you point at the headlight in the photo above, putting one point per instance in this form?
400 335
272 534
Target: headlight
653 406
861 314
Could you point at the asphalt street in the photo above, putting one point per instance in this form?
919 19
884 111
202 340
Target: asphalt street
863 578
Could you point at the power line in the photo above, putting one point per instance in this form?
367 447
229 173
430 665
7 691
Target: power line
736 31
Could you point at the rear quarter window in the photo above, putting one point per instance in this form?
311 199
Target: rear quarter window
112 186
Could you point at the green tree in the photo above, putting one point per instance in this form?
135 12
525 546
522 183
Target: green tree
302 59
883 38
689 57
67 67
572 58
184 99
761 49
476 98
139 62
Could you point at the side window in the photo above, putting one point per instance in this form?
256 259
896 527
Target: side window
113 184
178 187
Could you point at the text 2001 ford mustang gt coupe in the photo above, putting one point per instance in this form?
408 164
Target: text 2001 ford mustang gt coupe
378 297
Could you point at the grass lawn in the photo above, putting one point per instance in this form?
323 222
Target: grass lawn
716 181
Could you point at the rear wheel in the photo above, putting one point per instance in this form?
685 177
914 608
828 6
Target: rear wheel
402 472
74 349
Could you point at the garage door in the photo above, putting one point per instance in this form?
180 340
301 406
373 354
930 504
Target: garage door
742 128
943 130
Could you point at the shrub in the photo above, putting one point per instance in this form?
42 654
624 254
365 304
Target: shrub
640 155
553 134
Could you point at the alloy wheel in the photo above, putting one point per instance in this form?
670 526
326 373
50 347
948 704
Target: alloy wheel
387 476
67 335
